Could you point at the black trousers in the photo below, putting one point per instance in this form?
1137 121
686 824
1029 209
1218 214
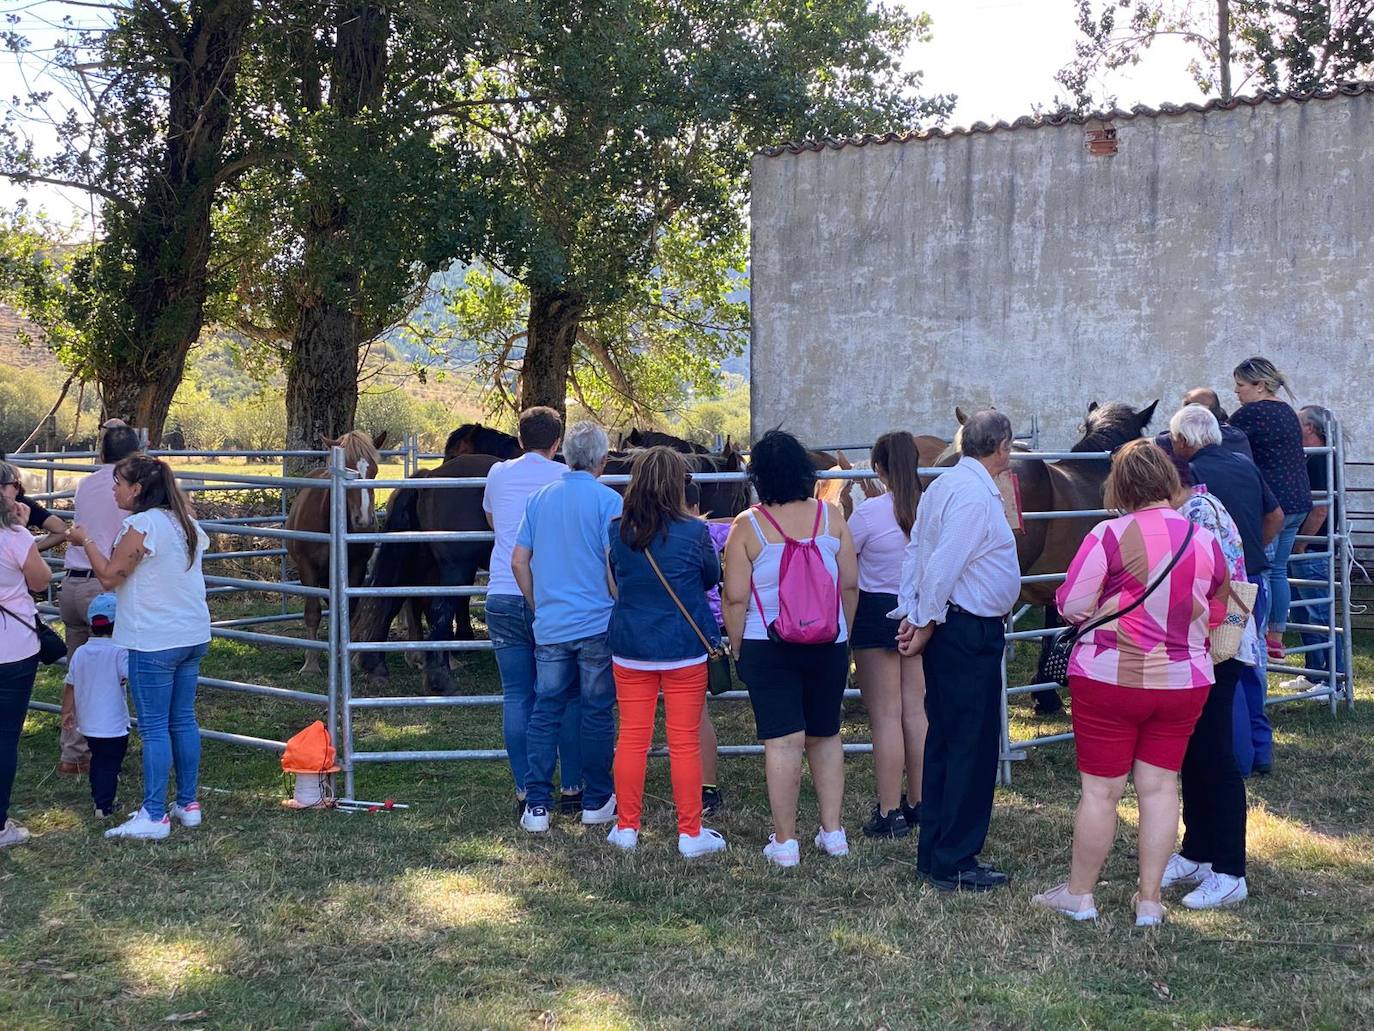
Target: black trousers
107 759
16 686
963 667
1213 790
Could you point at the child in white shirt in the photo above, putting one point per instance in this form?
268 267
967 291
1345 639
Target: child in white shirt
97 676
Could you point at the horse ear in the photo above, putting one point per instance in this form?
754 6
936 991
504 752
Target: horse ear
1092 407
959 415
379 441
1148 413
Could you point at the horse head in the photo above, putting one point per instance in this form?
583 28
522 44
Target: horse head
633 439
363 454
1107 427
472 438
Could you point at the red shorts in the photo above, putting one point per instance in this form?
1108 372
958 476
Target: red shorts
1114 726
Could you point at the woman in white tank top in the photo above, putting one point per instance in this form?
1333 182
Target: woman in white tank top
795 689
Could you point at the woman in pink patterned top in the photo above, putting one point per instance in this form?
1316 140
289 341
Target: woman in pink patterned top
1139 683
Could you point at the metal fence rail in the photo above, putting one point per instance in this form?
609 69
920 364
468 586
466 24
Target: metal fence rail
340 702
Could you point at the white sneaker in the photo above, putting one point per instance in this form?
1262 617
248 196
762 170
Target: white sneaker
141 825
535 819
1298 685
592 817
832 843
189 816
13 834
624 837
1219 889
703 843
1184 871
782 853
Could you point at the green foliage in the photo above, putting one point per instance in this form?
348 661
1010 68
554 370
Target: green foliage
26 395
725 415
1300 45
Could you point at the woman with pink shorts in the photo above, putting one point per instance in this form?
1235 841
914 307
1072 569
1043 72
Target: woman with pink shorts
1138 683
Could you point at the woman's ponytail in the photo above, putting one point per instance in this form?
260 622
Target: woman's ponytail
896 454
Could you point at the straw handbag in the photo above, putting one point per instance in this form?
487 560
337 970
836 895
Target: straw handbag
1226 638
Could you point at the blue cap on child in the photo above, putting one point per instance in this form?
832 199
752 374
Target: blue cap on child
102 606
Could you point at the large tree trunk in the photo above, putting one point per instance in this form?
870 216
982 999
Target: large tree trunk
553 322
322 373
167 238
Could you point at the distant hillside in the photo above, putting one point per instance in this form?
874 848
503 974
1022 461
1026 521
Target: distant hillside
18 355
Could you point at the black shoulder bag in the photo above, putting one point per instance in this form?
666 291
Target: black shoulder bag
1054 660
51 647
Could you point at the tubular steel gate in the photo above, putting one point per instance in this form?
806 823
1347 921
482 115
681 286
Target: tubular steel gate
339 701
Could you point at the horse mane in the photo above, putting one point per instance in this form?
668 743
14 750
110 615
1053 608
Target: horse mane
483 440
1107 427
358 446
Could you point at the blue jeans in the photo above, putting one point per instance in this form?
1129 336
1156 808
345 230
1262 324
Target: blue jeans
1277 551
163 686
510 625
1315 569
1251 733
558 669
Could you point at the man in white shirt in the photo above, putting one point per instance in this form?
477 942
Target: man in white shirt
510 621
960 578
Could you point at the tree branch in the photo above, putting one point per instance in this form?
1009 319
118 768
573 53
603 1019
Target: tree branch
62 396
100 191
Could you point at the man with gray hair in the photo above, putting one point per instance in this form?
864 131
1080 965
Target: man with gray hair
960 578
559 564
1232 439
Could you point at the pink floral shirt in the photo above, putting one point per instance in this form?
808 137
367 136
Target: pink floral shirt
1164 642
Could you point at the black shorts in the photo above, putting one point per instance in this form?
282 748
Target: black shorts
794 687
872 628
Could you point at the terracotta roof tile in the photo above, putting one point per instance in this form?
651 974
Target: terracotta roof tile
1347 89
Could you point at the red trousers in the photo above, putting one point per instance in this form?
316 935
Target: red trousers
684 694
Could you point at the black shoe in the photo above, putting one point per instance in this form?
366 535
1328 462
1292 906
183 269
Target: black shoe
886 825
1048 703
912 813
570 803
1263 769
980 878
712 801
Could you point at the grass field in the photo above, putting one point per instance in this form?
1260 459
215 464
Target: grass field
447 915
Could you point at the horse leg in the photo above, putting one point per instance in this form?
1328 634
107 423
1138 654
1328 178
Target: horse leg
436 676
1047 701
414 632
312 633
462 628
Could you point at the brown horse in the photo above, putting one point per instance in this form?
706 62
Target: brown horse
653 438
310 511
448 564
840 492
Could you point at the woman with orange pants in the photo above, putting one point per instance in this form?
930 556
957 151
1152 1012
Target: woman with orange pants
661 564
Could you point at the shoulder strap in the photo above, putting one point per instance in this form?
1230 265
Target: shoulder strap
678 602
758 530
27 626
765 513
1178 555
821 510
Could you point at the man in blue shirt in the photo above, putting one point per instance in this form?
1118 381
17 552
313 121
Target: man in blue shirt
559 562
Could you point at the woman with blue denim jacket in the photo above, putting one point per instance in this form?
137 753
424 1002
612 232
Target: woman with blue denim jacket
654 646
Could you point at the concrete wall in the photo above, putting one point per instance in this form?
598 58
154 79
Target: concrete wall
891 282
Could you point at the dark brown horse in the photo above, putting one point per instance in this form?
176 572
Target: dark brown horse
310 511
718 500
475 439
448 564
653 438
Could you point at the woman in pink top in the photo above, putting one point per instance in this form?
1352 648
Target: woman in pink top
21 573
1138 683
893 686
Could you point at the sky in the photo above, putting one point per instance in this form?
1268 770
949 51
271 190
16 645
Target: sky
998 56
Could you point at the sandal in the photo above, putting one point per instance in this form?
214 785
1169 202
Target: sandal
1147 914
1275 647
1060 900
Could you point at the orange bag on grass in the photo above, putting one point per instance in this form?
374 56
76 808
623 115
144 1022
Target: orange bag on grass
310 751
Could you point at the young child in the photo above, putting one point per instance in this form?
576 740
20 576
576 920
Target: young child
97 676
712 801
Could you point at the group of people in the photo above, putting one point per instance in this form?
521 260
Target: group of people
133 607
599 602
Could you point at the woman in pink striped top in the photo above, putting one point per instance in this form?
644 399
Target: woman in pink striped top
1139 683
